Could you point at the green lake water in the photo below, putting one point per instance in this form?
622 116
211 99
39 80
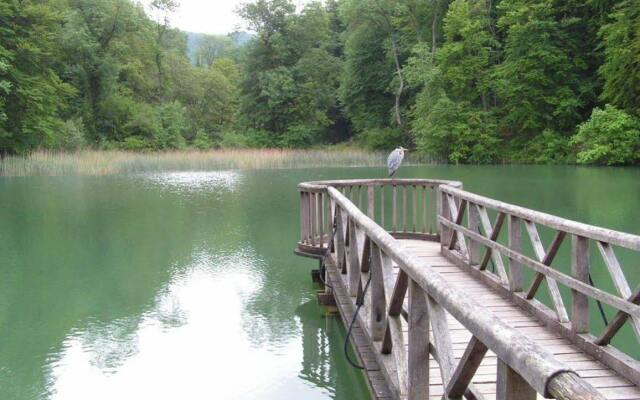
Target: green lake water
184 285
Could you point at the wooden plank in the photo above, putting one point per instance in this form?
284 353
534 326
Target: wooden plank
466 369
340 246
370 202
617 321
619 280
516 280
596 294
404 208
626 240
415 209
425 217
441 339
580 264
615 270
399 291
474 225
457 214
511 386
395 209
544 257
492 233
354 259
378 299
418 348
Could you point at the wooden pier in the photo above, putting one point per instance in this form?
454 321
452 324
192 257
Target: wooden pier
451 285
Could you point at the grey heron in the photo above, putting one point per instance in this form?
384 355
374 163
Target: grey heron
395 159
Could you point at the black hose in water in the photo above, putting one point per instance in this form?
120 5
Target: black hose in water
359 303
602 314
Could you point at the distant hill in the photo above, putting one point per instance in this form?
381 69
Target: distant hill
240 38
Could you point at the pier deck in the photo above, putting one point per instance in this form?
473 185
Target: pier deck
436 322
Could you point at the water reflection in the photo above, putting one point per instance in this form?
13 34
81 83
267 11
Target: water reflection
183 285
191 344
197 181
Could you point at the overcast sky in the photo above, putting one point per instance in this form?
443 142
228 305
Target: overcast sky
208 16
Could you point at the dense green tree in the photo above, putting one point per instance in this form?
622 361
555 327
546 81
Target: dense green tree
290 75
538 83
474 81
367 75
610 137
453 117
32 95
621 69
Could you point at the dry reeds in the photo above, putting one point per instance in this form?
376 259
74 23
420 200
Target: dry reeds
93 162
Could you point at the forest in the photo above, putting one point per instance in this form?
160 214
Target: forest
462 81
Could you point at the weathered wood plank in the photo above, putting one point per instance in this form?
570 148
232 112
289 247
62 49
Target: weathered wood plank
354 259
418 343
378 299
596 294
580 265
511 386
466 369
516 280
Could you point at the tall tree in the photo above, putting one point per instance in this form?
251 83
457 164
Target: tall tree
32 96
621 69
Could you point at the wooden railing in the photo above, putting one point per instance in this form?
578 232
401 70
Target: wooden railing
406 207
366 253
478 242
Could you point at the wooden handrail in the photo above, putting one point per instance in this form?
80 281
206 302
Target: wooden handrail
617 238
625 300
539 368
414 198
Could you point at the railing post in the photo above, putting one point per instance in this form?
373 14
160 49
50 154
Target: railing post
415 208
312 217
354 259
580 261
370 202
302 219
378 299
404 208
395 209
511 386
323 225
443 211
418 363
474 225
516 282
340 251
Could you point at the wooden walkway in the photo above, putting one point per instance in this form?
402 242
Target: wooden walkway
435 324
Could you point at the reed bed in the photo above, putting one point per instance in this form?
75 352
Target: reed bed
113 162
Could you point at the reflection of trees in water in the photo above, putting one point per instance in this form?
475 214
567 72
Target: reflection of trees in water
85 254
323 362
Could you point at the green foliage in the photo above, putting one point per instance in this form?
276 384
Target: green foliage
610 136
71 135
382 138
32 95
621 69
136 143
202 141
548 147
290 78
368 70
462 81
538 81
233 140
451 120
